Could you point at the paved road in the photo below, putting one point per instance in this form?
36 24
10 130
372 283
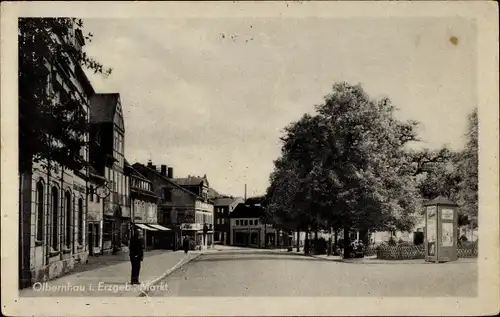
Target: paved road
259 274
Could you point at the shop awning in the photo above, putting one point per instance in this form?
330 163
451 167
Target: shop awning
145 227
159 227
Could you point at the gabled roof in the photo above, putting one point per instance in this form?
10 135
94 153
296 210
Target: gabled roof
226 201
247 211
139 165
103 107
213 194
189 181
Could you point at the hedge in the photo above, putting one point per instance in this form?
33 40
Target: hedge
409 252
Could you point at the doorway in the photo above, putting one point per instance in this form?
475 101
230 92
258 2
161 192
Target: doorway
90 239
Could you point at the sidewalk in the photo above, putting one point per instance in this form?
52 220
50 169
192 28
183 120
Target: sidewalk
108 279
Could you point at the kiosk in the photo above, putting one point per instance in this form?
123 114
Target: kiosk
441 222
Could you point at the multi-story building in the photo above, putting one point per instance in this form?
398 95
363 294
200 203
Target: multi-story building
107 157
53 198
249 229
223 206
144 208
183 206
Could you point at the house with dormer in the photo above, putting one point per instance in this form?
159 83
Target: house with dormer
107 157
183 206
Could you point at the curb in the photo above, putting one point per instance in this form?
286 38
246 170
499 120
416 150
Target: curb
181 263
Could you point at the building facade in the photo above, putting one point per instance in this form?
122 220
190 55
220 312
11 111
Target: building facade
108 158
248 228
144 208
185 208
223 206
52 198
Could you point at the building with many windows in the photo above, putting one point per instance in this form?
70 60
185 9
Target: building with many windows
144 208
248 228
108 158
223 206
53 198
183 206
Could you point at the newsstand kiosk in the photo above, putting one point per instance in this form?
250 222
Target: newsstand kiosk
441 223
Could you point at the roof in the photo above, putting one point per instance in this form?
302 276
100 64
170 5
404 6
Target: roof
213 194
226 201
103 107
139 165
189 181
247 211
440 201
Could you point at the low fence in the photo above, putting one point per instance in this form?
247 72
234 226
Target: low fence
410 252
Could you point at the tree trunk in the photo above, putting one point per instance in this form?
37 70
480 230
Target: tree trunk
306 243
347 243
335 240
298 240
315 244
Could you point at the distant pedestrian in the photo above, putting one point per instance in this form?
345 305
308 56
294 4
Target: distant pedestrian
185 244
136 256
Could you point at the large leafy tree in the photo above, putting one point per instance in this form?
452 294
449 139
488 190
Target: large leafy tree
52 122
345 164
468 170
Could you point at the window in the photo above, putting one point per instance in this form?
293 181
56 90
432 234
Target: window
237 222
39 210
91 193
69 210
55 218
97 199
80 221
246 222
167 194
255 222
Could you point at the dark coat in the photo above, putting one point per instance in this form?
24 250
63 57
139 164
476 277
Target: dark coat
185 244
136 250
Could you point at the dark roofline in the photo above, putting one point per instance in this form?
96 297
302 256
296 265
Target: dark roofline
168 180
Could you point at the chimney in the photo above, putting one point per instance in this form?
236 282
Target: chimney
170 172
163 170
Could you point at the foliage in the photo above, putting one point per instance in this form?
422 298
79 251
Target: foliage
343 165
52 122
454 174
468 171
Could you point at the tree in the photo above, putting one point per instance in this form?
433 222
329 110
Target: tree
468 171
52 123
345 164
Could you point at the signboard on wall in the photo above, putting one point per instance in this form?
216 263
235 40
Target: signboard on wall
447 214
447 234
431 230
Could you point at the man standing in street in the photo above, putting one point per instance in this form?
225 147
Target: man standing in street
185 244
136 255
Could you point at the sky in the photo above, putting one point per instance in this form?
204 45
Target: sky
212 96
